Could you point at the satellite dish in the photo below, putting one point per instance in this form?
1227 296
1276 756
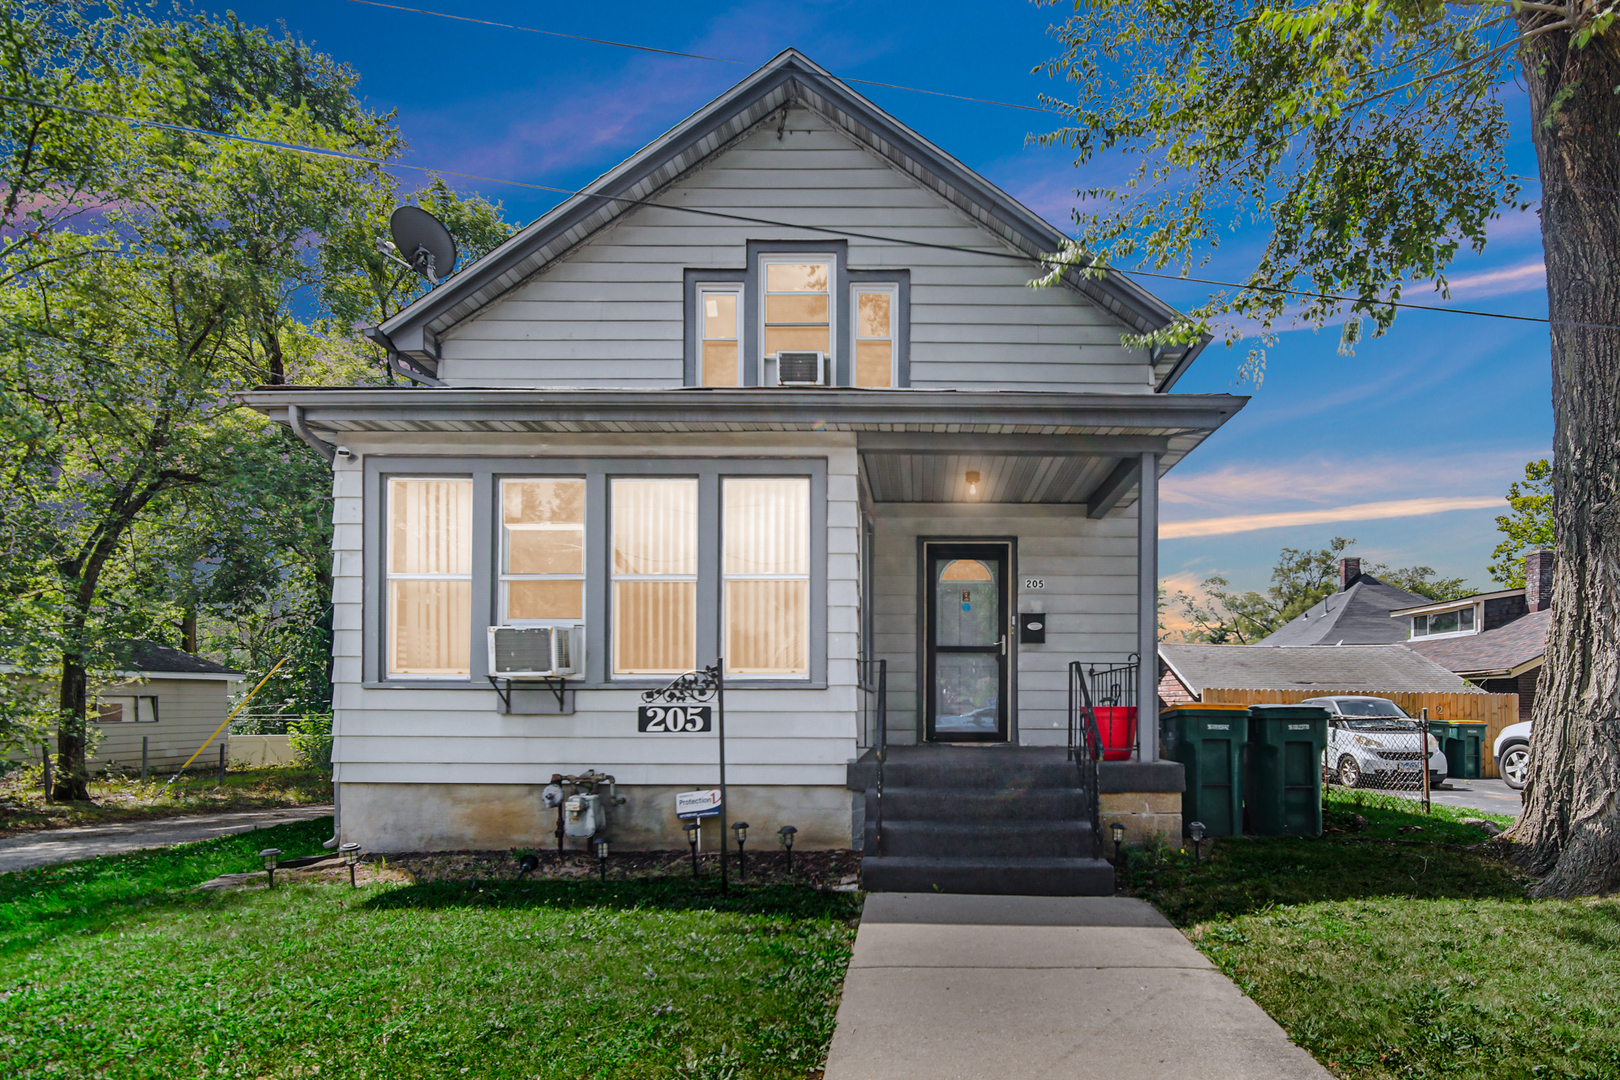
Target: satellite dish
423 242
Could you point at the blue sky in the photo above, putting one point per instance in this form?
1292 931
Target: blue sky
1442 412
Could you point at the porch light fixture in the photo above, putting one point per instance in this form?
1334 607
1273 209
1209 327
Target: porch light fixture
1117 831
1196 831
601 858
692 828
351 856
741 829
270 855
973 482
785 834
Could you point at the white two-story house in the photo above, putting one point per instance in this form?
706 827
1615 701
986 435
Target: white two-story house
775 389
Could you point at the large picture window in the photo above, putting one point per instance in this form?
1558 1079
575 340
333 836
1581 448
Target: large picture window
654 566
765 567
429 577
542 551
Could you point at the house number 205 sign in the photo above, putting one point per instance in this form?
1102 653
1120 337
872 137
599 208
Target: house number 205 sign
671 719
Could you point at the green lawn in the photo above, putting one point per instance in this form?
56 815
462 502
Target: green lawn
1390 953
119 797
115 968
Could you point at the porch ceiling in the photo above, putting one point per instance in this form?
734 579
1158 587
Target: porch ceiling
1003 478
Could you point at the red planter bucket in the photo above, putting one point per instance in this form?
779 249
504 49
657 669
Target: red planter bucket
1117 725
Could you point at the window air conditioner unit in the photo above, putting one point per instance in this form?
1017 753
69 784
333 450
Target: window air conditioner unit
536 652
801 368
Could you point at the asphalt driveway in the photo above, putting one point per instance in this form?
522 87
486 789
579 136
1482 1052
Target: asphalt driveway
1492 795
87 841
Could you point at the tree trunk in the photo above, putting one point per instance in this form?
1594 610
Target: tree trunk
1570 828
72 744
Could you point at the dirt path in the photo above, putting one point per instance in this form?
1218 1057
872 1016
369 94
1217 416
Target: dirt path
87 841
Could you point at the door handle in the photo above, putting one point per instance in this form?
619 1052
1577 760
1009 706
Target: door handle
1003 644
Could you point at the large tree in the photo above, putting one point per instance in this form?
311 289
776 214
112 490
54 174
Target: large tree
147 275
1369 140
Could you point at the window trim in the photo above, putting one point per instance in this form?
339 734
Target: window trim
891 289
726 578
484 471
719 288
835 359
389 576
503 578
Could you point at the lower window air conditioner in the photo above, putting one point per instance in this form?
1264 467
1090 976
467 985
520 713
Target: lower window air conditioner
537 652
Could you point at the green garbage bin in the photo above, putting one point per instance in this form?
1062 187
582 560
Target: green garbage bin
1465 750
1463 743
1283 778
1208 741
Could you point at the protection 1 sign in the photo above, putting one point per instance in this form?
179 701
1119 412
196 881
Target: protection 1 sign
697 804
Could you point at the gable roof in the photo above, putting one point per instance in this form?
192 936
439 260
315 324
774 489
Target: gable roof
1325 668
150 658
790 78
1507 650
1358 615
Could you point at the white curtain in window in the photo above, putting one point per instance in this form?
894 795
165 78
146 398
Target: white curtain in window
429 577
654 576
766 571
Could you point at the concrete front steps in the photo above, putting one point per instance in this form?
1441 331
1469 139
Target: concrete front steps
994 820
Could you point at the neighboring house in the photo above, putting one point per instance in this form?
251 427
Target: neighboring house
1358 614
172 699
776 388
1496 639
1191 671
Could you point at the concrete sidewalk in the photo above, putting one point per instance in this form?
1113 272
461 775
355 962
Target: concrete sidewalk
29 850
945 987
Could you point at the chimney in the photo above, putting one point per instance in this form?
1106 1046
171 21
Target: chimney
1538 578
1349 570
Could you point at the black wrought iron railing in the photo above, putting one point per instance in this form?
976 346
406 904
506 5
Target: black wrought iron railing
874 684
1085 746
1113 686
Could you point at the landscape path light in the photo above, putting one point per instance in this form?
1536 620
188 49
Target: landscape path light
351 856
1117 831
741 829
601 858
1196 831
785 834
270 855
692 828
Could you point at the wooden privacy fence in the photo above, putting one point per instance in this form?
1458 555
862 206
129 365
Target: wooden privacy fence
1495 711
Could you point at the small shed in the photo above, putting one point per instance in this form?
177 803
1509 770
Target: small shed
172 699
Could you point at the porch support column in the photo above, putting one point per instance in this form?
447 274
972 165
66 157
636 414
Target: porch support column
1147 608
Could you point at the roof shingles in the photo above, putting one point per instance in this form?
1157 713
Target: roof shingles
1341 668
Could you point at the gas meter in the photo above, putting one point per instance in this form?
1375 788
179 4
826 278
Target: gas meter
584 816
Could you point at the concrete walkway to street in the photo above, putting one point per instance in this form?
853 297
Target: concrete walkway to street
28 850
945 987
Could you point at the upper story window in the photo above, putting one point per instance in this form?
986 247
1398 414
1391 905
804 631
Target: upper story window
429 577
874 309
542 571
1460 621
797 309
720 347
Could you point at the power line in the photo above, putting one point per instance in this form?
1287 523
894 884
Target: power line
1563 183
339 155
688 55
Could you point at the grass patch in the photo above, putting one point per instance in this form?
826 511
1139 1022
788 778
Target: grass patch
1392 951
121 797
115 968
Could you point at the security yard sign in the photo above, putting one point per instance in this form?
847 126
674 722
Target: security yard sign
697 804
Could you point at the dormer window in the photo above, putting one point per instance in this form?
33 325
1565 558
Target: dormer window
1458 621
797 309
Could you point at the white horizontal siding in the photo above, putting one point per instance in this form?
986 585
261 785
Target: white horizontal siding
188 712
1089 568
611 312
457 734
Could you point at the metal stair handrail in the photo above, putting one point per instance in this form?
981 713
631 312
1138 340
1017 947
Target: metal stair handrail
1085 746
879 686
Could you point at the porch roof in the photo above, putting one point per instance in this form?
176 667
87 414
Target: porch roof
915 445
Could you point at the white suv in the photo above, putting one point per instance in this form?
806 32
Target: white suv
1372 739
1512 750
